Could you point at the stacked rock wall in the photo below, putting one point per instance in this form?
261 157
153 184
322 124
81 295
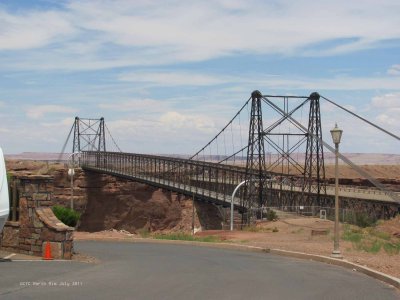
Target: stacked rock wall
37 224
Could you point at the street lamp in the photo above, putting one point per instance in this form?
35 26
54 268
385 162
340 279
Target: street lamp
233 196
234 193
336 136
71 173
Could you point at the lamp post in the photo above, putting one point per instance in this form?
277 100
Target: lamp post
234 193
233 196
71 173
336 136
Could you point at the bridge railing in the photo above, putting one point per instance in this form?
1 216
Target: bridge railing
199 178
207 180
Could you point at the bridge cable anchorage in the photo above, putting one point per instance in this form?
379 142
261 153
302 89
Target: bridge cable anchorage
346 160
361 118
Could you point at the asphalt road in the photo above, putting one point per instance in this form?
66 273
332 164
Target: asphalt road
161 271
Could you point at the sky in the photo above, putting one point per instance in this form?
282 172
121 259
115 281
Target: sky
168 75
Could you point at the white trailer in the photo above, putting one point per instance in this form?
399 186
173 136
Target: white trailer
4 199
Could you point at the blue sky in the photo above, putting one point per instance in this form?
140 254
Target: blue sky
167 75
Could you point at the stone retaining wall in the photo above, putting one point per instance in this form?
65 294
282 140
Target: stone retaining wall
37 224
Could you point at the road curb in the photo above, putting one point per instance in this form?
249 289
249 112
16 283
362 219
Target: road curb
180 242
394 281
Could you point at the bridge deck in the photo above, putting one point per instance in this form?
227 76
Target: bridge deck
199 193
204 180
224 199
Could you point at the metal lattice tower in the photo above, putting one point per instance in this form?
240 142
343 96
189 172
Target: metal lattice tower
89 135
255 165
314 167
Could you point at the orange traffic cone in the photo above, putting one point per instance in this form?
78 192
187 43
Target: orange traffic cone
47 252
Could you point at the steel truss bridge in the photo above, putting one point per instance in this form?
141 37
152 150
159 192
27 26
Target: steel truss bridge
207 181
211 174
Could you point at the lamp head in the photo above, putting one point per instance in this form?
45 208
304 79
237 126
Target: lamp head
336 134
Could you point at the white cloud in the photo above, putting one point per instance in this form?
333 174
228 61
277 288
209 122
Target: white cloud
388 120
337 83
247 82
173 78
79 35
387 101
32 29
167 132
349 107
387 111
394 70
174 120
37 112
141 105
64 123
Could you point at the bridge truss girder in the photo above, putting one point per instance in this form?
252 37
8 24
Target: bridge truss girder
255 187
89 135
310 175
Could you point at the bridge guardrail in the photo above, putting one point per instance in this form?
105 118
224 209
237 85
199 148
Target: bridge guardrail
204 179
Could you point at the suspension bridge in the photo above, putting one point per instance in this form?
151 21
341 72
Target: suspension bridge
281 163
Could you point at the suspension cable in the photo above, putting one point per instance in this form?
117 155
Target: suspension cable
361 118
119 149
342 157
233 144
194 155
65 144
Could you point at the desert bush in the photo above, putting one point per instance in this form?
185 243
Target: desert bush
188 237
370 240
144 232
360 219
68 216
271 215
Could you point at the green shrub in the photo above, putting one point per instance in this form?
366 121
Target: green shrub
271 215
68 216
363 220
370 240
392 248
360 219
382 235
251 228
9 177
144 232
352 234
373 247
188 237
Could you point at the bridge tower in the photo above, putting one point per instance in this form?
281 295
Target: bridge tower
89 135
314 184
255 189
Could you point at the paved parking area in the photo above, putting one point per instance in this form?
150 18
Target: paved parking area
160 271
